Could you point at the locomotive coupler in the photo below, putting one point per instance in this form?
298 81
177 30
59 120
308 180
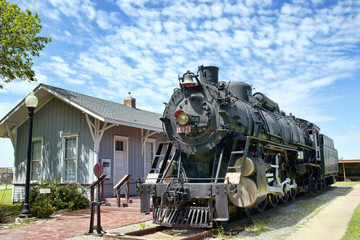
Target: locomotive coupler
177 194
180 194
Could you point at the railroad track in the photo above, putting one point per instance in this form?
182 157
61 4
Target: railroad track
161 232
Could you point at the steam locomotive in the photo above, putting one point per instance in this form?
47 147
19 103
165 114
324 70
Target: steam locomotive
230 150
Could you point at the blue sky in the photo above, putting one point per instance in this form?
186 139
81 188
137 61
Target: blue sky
305 55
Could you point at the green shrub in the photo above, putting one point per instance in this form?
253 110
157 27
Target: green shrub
70 197
42 209
2 213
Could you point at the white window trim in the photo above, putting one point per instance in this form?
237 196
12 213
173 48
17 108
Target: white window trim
63 137
120 138
150 140
41 139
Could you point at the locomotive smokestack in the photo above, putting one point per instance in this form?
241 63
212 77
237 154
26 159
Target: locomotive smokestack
209 74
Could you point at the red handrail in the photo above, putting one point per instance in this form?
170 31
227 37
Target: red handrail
117 187
94 185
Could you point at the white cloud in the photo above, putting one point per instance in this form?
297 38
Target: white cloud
75 81
57 59
69 9
21 88
217 10
59 67
293 52
106 20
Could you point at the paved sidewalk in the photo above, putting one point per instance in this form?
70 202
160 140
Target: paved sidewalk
76 223
331 223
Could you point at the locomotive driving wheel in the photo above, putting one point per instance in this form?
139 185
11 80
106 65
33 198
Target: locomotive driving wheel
286 196
273 200
262 206
311 184
293 193
249 211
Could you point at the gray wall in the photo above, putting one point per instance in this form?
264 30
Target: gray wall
57 118
135 159
50 122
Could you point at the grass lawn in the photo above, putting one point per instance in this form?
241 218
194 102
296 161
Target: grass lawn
353 228
346 184
5 203
5 195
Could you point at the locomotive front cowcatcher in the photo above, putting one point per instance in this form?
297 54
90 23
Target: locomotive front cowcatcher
230 151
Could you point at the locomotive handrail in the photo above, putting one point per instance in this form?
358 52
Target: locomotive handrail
175 178
175 155
282 147
270 142
220 161
305 146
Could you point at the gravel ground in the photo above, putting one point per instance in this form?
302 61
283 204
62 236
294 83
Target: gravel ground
280 224
286 220
123 229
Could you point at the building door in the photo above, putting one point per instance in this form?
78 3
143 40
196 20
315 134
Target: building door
120 159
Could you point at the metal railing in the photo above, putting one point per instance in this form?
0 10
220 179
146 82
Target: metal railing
117 188
94 185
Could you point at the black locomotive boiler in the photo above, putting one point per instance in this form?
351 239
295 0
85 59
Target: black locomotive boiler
230 150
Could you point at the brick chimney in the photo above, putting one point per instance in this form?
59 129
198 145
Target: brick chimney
130 101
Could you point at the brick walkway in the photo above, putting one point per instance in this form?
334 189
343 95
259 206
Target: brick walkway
76 223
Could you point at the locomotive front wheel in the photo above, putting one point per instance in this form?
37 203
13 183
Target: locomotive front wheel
273 200
262 206
311 185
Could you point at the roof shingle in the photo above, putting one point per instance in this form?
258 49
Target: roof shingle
111 110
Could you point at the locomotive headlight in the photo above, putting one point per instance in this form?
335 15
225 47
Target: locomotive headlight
181 117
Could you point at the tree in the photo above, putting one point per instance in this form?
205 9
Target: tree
18 42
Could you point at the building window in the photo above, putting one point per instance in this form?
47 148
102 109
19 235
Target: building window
119 146
70 152
36 160
149 153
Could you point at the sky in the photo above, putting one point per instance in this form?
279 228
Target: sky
305 55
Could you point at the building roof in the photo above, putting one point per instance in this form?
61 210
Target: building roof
101 109
349 161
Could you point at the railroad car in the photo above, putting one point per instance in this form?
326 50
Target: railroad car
230 151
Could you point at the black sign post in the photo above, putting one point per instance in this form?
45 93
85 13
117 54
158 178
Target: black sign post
98 171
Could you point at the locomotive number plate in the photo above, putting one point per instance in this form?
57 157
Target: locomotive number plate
183 129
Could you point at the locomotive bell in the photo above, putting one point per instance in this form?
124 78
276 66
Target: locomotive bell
188 79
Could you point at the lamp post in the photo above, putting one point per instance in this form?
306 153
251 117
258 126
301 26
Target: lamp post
31 102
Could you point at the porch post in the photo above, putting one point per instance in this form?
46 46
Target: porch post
144 137
97 132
